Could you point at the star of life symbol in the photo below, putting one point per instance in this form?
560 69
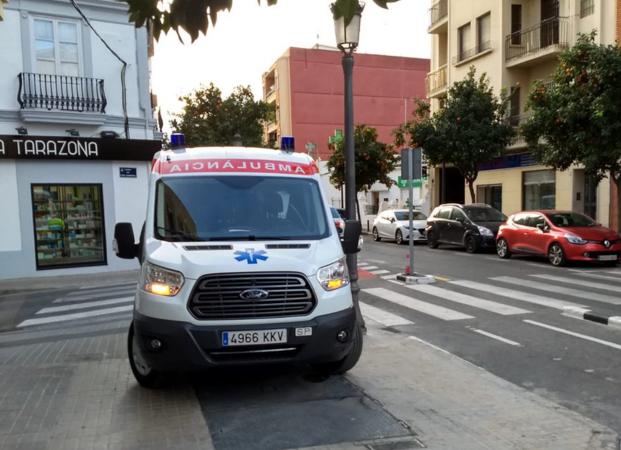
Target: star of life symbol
251 256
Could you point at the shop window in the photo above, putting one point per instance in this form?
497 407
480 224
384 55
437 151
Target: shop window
491 195
69 225
539 189
56 47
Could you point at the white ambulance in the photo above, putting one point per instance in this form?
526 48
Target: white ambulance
241 264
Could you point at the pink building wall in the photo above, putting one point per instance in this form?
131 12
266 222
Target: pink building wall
384 86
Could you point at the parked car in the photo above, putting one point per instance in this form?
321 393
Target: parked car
394 224
471 226
560 236
339 220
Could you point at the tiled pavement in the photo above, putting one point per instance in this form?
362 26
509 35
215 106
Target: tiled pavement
80 394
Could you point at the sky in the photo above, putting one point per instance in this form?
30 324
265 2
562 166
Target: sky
247 40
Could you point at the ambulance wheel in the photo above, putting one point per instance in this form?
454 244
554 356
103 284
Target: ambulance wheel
146 376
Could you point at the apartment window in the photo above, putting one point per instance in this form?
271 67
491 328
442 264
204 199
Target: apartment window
539 189
483 33
69 225
514 106
516 24
490 194
587 7
56 47
463 34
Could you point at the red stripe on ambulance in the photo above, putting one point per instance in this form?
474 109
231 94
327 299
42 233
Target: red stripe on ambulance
236 165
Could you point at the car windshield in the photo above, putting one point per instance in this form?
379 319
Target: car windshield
570 219
478 214
405 215
201 208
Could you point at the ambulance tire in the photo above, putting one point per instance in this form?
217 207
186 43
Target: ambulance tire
145 376
347 363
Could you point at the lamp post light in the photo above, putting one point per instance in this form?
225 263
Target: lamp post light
347 35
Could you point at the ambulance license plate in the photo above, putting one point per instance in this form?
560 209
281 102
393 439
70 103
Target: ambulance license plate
256 337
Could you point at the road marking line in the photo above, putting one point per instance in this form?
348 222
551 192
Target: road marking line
438 277
495 336
417 305
614 272
80 315
389 277
578 335
376 261
515 295
363 264
595 275
585 295
457 297
380 272
108 286
602 286
380 316
368 268
100 295
71 307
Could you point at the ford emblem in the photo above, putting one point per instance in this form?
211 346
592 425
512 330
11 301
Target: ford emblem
254 294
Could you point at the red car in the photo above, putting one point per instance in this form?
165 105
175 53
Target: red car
561 236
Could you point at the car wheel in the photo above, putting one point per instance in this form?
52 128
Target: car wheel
376 236
347 363
432 241
556 255
502 248
145 375
399 237
471 244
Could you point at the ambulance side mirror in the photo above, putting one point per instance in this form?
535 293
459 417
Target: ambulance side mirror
124 244
351 236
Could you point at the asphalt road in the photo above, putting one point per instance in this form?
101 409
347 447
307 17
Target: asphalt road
576 363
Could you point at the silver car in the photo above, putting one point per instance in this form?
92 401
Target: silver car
394 224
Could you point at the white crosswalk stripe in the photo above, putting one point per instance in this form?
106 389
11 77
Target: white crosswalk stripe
96 296
601 286
555 289
71 307
380 272
382 317
367 268
107 286
363 264
417 305
74 316
515 294
457 297
596 275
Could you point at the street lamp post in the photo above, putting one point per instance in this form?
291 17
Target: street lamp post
347 35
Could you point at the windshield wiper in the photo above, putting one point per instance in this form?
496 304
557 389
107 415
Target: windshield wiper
178 234
248 237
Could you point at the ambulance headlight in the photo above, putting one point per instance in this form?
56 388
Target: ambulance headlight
334 276
160 281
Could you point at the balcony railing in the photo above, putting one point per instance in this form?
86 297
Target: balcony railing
61 92
436 80
516 121
472 52
438 11
550 32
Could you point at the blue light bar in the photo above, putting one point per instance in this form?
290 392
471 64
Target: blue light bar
177 140
287 143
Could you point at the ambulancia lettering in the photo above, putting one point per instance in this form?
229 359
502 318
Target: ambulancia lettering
236 165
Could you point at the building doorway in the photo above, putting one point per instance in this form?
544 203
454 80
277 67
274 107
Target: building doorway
590 196
549 22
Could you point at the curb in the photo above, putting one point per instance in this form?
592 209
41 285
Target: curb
585 314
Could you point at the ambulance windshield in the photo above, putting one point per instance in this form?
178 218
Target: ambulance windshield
221 208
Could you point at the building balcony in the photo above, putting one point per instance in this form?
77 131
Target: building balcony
483 48
436 82
61 93
439 17
516 121
538 43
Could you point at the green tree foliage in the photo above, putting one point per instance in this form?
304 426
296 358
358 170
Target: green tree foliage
374 160
194 16
576 118
207 119
471 128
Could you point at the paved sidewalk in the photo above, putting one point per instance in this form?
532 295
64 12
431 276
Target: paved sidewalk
17 285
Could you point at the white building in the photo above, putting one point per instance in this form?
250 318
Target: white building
76 135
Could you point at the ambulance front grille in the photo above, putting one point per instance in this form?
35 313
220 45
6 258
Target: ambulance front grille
221 296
